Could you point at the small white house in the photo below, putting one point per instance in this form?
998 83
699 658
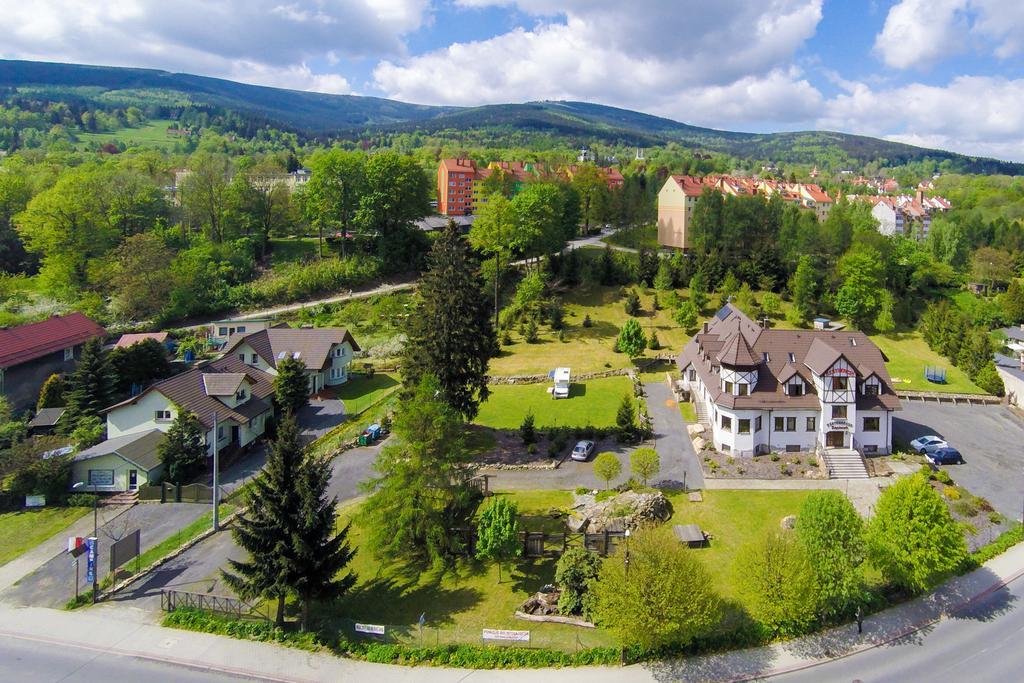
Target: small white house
326 352
561 388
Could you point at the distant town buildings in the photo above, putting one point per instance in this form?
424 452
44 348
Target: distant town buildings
678 197
909 215
460 181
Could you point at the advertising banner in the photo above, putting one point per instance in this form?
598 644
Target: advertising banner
90 557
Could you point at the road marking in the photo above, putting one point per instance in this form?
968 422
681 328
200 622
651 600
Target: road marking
669 403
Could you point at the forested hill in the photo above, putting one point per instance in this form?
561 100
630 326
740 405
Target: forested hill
572 123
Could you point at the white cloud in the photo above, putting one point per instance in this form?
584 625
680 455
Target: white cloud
920 33
658 59
263 41
972 114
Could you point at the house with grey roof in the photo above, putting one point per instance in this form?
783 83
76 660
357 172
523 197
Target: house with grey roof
326 352
761 390
123 463
232 401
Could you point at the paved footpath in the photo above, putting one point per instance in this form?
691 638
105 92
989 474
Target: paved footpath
900 626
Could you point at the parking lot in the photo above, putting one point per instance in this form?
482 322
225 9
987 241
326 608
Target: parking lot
991 439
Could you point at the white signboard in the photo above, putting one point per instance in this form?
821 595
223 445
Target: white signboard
374 629
500 634
101 477
35 501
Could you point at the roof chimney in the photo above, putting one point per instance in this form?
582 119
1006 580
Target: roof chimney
919 196
765 323
705 328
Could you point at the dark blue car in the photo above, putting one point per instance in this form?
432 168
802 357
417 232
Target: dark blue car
945 455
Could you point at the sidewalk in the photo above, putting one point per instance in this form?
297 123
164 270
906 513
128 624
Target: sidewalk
90 630
29 561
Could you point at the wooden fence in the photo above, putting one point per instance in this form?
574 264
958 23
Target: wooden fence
172 493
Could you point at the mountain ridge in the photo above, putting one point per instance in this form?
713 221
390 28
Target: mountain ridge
329 115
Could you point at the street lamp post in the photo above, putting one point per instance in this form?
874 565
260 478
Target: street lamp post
627 553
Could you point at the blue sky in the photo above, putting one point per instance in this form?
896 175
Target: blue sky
942 73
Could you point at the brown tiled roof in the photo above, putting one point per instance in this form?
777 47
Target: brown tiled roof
27 342
222 383
188 391
312 344
737 351
813 350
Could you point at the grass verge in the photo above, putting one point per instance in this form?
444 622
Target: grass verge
24 530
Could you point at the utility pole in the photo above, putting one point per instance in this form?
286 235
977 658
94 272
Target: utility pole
216 473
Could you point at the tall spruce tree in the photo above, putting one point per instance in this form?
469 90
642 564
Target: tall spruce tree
450 334
420 490
291 386
183 450
321 551
267 527
91 386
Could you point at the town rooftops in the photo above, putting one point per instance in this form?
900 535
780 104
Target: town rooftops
127 340
690 185
139 449
311 345
27 342
780 355
188 391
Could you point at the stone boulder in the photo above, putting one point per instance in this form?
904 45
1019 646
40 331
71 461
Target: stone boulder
543 603
698 444
695 429
788 522
627 510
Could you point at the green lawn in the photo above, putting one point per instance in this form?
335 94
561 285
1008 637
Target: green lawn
22 531
688 411
359 393
909 354
151 134
458 603
594 402
733 518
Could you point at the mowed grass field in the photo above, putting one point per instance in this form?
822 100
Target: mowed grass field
22 531
150 134
459 602
594 402
361 392
908 356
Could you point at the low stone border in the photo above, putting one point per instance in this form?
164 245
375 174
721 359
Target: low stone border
554 619
538 379
553 465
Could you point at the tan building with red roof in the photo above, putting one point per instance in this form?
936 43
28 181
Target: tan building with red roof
759 390
29 354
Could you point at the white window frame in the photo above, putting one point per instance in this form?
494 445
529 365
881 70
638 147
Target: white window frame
163 416
69 353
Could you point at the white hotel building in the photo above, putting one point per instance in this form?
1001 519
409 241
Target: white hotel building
763 390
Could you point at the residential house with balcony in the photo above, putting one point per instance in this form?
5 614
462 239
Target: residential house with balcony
327 352
231 399
760 390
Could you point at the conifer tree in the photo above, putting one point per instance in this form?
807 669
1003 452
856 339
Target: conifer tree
291 386
450 334
91 385
320 551
267 528
183 450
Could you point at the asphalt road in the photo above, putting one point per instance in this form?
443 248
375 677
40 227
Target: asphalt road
53 584
28 660
670 438
979 644
990 439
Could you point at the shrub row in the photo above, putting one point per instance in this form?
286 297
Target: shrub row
297 281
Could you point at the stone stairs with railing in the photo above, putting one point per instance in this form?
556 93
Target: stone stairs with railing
702 414
844 463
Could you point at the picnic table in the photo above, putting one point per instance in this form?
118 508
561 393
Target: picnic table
690 534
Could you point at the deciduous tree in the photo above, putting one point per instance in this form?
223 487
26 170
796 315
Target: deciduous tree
607 467
498 532
832 535
778 583
51 395
912 538
645 463
631 339
657 583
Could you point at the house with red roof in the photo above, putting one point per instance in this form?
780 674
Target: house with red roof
29 354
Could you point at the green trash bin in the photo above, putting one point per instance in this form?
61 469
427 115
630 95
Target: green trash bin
364 440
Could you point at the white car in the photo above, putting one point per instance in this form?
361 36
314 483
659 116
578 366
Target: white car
924 442
582 451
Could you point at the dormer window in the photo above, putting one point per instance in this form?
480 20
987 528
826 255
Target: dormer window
872 390
796 388
240 395
765 357
839 384
792 357
743 389
727 387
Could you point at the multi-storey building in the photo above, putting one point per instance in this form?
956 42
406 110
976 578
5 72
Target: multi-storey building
455 180
763 390
678 198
